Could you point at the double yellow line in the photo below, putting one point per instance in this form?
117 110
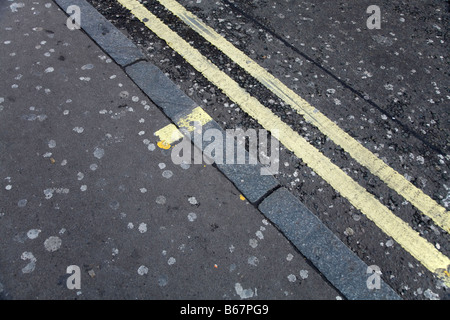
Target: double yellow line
393 226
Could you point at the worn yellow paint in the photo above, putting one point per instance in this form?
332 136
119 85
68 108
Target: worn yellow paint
196 115
164 145
170 133
362 155
241 197
392 225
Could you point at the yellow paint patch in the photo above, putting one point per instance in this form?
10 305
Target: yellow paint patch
444 276
163 145
241 197
169 134
197 115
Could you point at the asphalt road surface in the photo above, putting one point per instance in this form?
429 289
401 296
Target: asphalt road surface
355 92
388 88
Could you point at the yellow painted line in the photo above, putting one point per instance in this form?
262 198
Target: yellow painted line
198 115
362 200
170 133
362 155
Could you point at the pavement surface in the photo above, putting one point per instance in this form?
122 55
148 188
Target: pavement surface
84 183
87 183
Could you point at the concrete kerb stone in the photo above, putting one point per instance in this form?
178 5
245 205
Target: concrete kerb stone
318 244
160 89
246 177
104 33
306 232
